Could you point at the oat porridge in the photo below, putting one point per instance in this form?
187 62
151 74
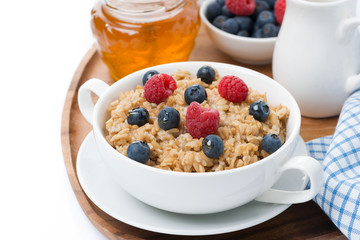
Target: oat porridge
183 116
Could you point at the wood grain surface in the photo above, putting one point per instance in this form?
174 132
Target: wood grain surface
300 221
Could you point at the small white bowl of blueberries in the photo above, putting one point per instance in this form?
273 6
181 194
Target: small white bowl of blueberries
244 29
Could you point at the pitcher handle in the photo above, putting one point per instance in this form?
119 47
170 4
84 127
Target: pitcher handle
313 170
346 27
345 32
352 84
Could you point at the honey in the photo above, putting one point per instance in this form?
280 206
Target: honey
136 34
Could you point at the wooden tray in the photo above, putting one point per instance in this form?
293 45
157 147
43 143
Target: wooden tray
300 221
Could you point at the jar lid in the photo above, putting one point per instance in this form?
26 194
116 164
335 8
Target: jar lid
144 11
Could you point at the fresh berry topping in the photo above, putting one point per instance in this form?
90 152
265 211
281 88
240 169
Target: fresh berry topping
271 143
221 2
259 110
206 74
159 87
260 6
201 122
264 18
240 7
139 151
195 93
225 12
138 116
269 30
245 23
230 26
271 3
212 11
257 33
168 118
279 10
148 75
219 21
233 89
212 146
243 33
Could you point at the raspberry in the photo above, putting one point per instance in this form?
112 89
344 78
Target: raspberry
201 122
279 10
241 7
159 87
233 89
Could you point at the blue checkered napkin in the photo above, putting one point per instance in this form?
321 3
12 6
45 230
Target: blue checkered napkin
340 156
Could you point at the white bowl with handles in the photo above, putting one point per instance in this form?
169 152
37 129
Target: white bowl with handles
210 192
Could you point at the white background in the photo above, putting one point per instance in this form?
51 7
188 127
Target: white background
41 44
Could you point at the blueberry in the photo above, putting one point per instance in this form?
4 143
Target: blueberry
219 21
243 33
245 23
206 74
148 75
212 146
221 2
271 3
225 12
195 93
259 110
139 151
257 33
168 118
212 11
264 18
271 143
138 116
269 30
261 5
230 26
277 28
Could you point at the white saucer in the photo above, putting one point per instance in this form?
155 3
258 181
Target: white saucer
113 200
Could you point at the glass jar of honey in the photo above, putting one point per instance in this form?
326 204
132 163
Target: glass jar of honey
135 34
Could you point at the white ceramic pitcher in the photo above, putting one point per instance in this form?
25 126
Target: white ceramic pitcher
317 54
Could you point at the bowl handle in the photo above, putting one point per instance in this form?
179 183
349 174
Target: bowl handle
85 101
313 170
